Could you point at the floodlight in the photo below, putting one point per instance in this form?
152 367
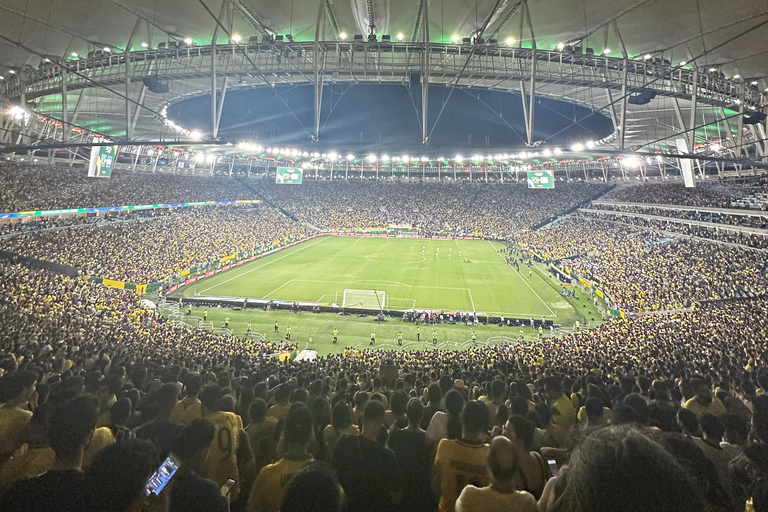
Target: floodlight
577 147
736 77
455 39
683 63
647 56
715 147
343 36
195 135
187 40
606 51
350 157
400 36
560 46
333 156
107 49
145 45
237 38
459 159
509 41
74 54
371 158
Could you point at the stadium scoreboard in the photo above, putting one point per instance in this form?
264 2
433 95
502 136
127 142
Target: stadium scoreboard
289 176
540 179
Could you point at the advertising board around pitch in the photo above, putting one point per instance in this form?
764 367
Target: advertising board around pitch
289 176
540 179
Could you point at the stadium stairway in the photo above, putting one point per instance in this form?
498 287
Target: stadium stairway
572 209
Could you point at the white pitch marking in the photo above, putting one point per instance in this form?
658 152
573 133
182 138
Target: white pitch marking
273 291
528 285
471 300
264 265
358 239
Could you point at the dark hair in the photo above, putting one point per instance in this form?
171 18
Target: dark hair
211 396
12 385
315 488
594 407
544 413
71 424
434 394
119 473
524 430
283 392
735 426
341 418
414 410
497 389
398 403
257 411
298 425
195 437
120 411
475 417
712 426
688 420
454 403
374 412
518 406
193 385
619 468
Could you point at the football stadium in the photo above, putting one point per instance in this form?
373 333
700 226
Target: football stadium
382 255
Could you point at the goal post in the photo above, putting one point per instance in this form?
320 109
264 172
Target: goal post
365 299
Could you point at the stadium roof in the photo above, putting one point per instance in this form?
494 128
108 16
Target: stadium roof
725 37
678 31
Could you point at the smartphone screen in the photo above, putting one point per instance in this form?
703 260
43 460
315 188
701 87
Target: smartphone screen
227 487
163 475
552 467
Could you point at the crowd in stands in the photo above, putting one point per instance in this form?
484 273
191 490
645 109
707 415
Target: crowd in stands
462 208
759 221
673 193
32 187
149 250
645 270
647 413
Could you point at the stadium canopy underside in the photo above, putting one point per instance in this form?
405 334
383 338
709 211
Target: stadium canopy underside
695 70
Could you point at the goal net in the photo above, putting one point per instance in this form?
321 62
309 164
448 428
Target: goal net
367 299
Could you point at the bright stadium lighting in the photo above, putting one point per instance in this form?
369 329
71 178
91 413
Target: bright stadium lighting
736 77
11 72
712 70
738 102
577 147
145 45
400 36
46 60
343 36
557 151
74 54
715 147
406 158
509 41
683 63
333 156
237 38
107 49
547 153
753 82
187 40
630 161
590 144
210 158
455 39
606 51
371 158
647 56
385 158
350 157
659 158
459 159
560 46
195 135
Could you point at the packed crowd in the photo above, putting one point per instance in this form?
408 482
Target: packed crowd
649 413
644 270
674 193
756 220
31 187
461 208
715 233
152 249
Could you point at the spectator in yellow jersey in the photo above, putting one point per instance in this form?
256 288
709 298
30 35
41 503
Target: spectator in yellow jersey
501 494
188 408
38 457
703 402
462 462
283 405
564 415
189 492
229 455
261 433
315 488
63 487
267 492
16 391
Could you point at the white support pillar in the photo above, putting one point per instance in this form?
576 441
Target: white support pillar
425 79
127 58
64 107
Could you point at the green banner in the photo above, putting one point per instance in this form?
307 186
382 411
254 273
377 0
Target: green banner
289 176
540 179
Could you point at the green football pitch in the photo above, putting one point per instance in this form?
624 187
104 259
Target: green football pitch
398 274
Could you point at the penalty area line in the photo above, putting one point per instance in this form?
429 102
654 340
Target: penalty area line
273 291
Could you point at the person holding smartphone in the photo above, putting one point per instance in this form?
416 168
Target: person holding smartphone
189 492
